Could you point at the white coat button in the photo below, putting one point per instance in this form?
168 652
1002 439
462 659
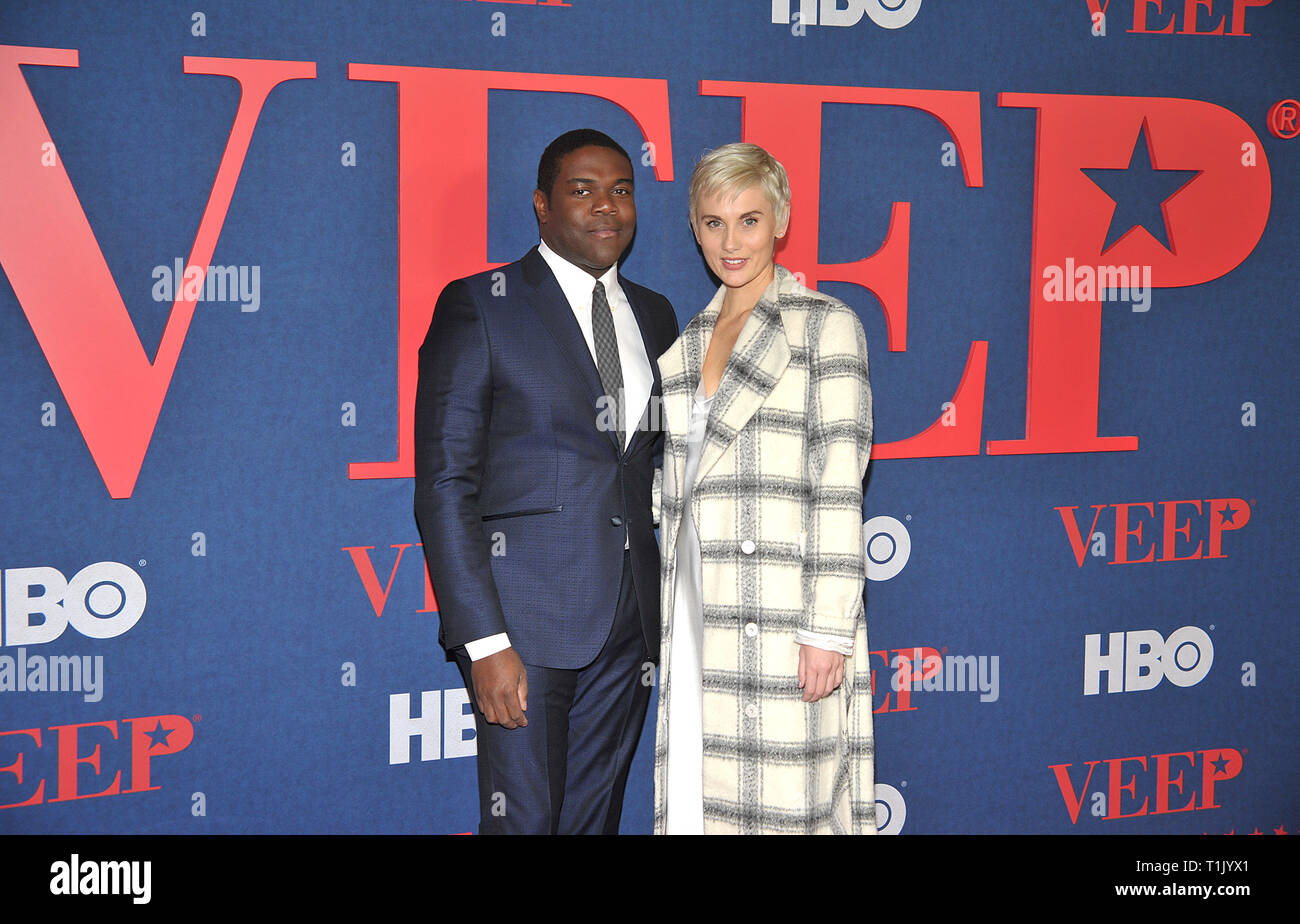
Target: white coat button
751 629
752 711
748 547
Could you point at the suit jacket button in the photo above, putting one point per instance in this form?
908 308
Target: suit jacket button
748 547
615 521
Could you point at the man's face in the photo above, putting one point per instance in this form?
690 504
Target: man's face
590 214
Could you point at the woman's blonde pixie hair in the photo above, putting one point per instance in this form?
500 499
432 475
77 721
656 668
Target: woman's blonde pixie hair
733 168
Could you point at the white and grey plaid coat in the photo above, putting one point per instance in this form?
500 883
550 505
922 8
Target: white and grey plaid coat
778 508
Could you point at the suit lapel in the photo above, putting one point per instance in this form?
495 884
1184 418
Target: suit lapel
647 427
552 308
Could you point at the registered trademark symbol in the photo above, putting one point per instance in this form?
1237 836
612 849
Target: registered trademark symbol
1211 627
143 563
197 717
908 517
1284 119
903 784
944 649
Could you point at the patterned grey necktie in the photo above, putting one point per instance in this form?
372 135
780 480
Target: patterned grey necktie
607 362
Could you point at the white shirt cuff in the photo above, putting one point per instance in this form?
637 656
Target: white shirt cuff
826 642
480 648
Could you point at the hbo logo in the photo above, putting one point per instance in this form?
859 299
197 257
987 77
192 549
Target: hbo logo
891 810
1140 659
887 545
888 14
102 600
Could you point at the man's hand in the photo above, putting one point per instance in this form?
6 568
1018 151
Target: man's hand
501 688
820 672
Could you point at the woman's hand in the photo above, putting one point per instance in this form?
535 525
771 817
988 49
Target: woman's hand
820 672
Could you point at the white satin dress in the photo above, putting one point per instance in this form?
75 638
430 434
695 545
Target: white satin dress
685 802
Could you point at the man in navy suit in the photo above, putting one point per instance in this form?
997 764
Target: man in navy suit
536 443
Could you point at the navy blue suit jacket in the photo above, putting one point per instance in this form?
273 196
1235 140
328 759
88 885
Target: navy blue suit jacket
521 499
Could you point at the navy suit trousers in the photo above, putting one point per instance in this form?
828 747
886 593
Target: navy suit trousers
565 771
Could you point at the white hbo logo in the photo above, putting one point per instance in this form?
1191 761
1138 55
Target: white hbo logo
888 14
891 14
1140 659
102 600
887 545
891 810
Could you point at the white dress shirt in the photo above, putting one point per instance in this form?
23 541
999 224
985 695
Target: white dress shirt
577 285
638 379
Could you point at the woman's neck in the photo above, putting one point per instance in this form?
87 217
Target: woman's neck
741 300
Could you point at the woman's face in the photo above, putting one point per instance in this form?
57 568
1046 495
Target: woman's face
737 233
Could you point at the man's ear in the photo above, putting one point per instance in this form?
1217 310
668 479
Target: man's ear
541 206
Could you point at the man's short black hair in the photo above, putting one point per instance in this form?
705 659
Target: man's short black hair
548 168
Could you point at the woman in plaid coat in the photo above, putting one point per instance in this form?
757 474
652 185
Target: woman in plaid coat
765 697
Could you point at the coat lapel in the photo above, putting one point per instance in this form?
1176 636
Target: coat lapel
679 369
757 360
646 427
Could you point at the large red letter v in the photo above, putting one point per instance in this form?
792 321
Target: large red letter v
63 283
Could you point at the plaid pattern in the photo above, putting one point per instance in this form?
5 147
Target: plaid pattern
778 504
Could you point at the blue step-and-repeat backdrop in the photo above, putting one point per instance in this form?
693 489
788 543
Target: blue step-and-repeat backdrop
1069 229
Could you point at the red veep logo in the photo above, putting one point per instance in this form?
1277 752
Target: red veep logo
1181 17
1141 536
1128 787
151 736
115 392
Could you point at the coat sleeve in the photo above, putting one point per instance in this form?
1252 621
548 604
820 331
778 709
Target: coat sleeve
839 444
453 408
